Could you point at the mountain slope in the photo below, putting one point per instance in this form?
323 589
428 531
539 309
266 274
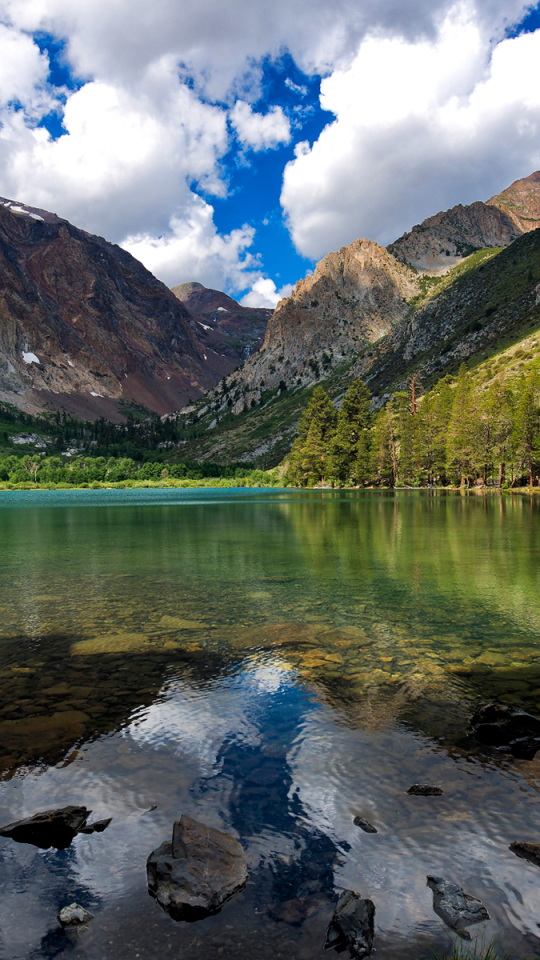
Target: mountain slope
223 326
443 240
486 310
354 297
83 325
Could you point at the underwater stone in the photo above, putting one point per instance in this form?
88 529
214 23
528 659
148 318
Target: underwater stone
352 926
201 869
458 909
364 825
507 728
425 790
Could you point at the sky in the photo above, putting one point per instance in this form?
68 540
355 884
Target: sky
236 144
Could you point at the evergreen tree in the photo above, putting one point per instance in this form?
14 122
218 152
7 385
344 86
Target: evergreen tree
461 432
353 420
527 426
321 412
405 421
384 450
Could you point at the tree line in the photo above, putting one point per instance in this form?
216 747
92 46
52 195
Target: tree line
460 433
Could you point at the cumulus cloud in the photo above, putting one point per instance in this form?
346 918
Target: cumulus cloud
192 249
421 114
264 293
260 131
419 127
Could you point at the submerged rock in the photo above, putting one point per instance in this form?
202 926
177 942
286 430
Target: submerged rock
51 828
74 915
98 826
295 911
456 908
508 729
195 874
527 851
352 926
364 825
425 790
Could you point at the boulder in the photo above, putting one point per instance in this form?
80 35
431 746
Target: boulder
51 828
425 790
195 874
508 729
456 908
74 915
98 826
527 851
364 825
352 926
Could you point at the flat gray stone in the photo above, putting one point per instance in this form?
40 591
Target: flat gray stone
352 926
195 874
456 908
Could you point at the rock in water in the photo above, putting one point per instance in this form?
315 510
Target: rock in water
201 869
352 926
507 728
98 826
74 915
364 825
458 909
527 851
425 790
52 828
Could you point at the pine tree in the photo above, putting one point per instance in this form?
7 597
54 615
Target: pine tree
527 426
461 432
321 412
353 419
384 451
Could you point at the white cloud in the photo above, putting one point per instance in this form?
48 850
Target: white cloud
257 130
263 293
419 127
192 249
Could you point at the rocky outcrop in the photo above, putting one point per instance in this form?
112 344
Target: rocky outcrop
195 874
353 298
441 241
83 325
521 202
223 326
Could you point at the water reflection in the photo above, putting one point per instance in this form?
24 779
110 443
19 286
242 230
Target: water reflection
274 668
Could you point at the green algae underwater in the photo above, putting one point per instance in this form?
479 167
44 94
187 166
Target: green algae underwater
274 663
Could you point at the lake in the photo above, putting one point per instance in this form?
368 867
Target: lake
273 663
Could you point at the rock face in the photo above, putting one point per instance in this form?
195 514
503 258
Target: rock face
84 325
521 202
195 874
507 728
353 298
440 242
223 326
352 926
51 828
458 909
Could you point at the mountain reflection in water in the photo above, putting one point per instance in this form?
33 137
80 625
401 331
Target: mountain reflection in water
275 665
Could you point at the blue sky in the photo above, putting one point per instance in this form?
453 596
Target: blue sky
238 145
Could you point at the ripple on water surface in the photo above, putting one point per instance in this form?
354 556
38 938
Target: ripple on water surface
275 666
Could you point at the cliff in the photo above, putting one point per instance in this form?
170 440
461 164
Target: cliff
83 325
222 325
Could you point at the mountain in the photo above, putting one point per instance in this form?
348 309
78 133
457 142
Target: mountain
440 242
85 327
223 326
353 298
